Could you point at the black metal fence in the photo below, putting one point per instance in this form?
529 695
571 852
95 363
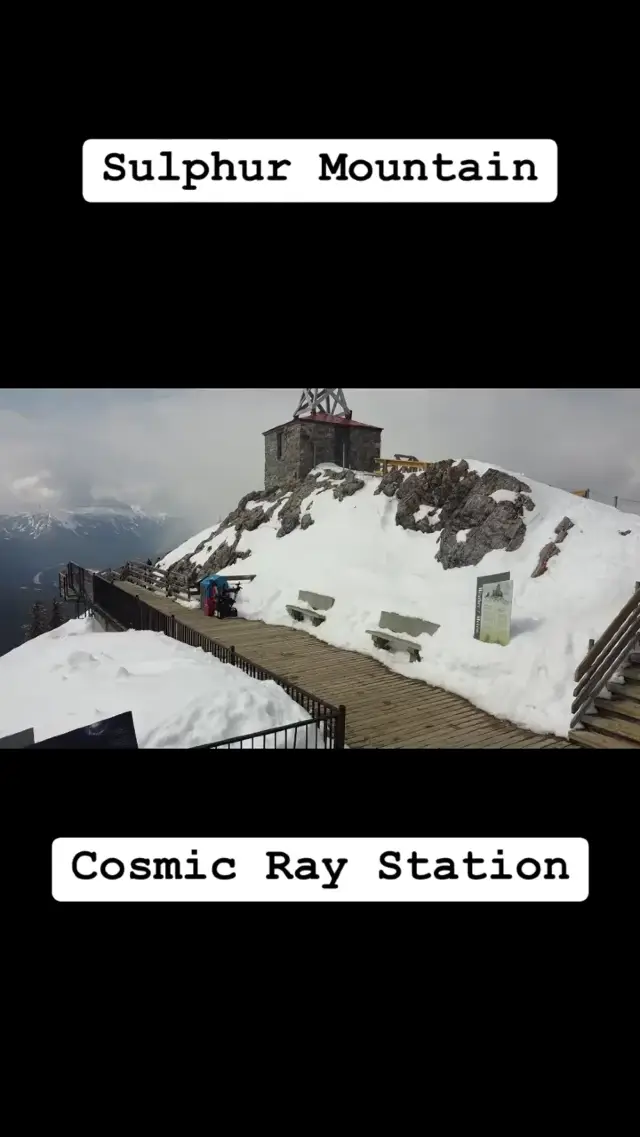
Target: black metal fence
124 611
122 606
312 734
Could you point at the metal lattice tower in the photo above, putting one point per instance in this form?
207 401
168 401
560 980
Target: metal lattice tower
323 400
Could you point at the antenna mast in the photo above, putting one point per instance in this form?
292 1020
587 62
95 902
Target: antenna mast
323 400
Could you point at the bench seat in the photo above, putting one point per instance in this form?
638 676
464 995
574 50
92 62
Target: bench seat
299 613
389 642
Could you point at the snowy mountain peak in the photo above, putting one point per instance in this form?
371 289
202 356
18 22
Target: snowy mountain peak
83 519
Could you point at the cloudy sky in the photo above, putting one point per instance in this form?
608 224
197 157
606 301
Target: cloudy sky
194 452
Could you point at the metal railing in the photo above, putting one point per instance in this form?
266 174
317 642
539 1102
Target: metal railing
126 611
317 736
605 656
121 605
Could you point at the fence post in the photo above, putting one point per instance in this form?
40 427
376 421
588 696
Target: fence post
172 626
232 656
341 723
615 502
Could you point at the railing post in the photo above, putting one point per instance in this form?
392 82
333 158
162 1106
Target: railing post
232 656
341 723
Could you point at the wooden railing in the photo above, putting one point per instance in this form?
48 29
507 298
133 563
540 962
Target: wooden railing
411 465
160 580
170 581
606 655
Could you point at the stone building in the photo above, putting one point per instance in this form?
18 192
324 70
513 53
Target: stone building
293 449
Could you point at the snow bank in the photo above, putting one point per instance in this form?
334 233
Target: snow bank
356 553
180 696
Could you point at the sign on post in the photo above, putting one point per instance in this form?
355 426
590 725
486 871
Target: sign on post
494 598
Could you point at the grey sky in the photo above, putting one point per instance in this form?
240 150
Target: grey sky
194 452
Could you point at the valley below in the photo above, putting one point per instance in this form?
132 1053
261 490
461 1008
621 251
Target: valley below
34 548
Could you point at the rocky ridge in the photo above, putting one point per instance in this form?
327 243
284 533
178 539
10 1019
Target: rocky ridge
447 498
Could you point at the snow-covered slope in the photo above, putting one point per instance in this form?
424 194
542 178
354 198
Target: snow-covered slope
360 551
179 695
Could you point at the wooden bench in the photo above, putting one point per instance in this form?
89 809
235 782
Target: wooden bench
386 637
388 642
315 603
299 614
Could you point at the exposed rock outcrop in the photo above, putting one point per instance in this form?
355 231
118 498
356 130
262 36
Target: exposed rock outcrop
562 529
289 515
549 551
552 550
347 486
460 499
445 498
389 483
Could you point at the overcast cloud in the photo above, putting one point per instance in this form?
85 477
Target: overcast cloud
194 452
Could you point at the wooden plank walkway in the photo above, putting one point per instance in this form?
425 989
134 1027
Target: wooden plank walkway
384 710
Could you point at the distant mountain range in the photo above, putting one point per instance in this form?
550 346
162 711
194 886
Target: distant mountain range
34 546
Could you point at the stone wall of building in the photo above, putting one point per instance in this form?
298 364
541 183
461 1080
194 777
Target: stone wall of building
277 471
364 448
307 444
317 444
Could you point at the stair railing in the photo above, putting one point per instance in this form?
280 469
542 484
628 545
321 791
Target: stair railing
605 656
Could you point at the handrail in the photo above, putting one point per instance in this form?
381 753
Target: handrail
150 576
632 602
385 464
622 634
605 656
602 676
248 741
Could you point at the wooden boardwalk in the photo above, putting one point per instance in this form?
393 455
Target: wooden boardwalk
384 710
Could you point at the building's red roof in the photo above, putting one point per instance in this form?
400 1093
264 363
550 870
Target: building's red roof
339 420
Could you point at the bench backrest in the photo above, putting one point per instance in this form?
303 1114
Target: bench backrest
316 600
410 625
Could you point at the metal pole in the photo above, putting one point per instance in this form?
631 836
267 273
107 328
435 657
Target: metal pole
340 727
615 502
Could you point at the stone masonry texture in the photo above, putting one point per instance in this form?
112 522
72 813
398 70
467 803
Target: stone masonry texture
305 444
